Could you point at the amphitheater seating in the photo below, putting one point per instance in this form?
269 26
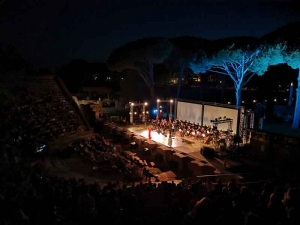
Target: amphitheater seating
39 112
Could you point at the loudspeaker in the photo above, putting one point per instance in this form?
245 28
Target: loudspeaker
208 152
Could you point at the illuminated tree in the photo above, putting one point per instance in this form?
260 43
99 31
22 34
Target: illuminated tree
292 58
234 62
270 55
291 55
141 56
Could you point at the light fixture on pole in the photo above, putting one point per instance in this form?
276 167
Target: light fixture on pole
157 107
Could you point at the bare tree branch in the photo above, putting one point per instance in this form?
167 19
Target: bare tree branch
249 78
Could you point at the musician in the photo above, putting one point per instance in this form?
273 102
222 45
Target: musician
149 132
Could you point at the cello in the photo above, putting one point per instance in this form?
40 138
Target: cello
207 140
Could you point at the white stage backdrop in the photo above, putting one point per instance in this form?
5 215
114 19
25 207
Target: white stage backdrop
212 112
189 111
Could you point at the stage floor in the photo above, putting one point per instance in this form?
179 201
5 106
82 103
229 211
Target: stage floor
160 138
177 142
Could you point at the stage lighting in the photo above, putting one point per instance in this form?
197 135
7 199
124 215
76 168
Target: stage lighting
254 100
171 100
158 100
134 112
146 103
147 112
130 113
132 103
275 100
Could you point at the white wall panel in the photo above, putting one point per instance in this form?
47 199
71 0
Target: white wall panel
189 111
212 112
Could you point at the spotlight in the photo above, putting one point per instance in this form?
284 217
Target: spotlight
146 103
171 100
158 100
132 103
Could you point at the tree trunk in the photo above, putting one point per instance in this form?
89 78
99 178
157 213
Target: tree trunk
238 96
179 82
224 85
152 92
291 95
296 120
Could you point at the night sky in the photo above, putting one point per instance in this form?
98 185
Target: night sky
53 32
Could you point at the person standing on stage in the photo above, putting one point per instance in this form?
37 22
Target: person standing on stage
149 132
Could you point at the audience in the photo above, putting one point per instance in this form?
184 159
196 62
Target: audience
35 116
31 197
106 158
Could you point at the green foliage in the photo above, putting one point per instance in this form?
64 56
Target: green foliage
201 63
293 59
269 55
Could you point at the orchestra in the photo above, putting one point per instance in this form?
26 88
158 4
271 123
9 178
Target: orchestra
206 133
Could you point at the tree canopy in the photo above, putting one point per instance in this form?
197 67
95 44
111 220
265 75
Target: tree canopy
236 61
183 52
141 56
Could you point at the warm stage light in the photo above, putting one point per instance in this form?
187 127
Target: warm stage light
135 113
158 100
147 112
146 103
275 100
254 100
171 100
132 103
292 84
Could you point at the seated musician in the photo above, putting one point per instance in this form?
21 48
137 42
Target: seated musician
193 133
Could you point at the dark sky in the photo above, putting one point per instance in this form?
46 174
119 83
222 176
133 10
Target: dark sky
53 32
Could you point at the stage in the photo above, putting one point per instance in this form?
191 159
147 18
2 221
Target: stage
181 145
185 145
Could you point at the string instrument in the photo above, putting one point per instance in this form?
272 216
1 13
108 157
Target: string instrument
207 140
